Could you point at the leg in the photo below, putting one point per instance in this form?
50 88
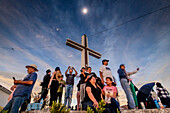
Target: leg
17 102
25 104
90 104
70 96
8 106
60 96
55 91
66 94
115 105
78 99
51 96
128 93
82 92
43 94
57 96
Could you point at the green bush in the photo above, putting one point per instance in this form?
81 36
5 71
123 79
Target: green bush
89 110
98 110
58 108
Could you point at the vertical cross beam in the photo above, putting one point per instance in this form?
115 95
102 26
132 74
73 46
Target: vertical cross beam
85 51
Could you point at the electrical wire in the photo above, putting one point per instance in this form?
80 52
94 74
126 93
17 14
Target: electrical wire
131 20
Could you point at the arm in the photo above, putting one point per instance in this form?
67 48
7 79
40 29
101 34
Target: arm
86 78
114 95
63 83
103 93
88 89
67 70
101 96
101 75
49 84
131 73
75 71
13 87
30 82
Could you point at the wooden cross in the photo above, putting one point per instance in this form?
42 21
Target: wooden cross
85 51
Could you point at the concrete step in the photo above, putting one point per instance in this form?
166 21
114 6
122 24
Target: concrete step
167 110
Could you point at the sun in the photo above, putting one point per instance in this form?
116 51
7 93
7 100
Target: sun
84 10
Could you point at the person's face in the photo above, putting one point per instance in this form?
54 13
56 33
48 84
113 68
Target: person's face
30 70
108 81
70 71
89 70
83 70
122 67
49 73
105 63
93 80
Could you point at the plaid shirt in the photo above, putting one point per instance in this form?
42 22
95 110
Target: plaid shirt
162 92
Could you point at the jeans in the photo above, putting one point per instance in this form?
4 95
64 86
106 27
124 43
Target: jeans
126 87
68 95
82 91
14 104
90 104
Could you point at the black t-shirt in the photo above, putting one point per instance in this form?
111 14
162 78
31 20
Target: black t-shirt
46 80
82 78
70 79
95 91
91 74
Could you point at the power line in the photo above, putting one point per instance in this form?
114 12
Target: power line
131 20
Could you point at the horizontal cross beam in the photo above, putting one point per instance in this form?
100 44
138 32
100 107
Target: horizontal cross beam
80 47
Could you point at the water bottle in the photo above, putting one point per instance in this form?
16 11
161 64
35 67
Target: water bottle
41 103
156 103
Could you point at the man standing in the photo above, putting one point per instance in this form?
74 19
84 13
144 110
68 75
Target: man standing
123 76
83 80
69 85
23 90
44 85
60 88
105 71
90 73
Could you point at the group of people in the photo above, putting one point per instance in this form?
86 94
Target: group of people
91 88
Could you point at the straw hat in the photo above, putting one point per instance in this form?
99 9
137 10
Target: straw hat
33 66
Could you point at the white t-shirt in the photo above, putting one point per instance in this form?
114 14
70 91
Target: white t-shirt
106 72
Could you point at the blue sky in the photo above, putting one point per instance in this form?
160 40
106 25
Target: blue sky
38 29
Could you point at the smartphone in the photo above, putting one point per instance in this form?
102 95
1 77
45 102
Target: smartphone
13 78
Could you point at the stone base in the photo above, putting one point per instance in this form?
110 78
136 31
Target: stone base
167 110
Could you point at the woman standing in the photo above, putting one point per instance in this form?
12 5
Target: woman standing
54 84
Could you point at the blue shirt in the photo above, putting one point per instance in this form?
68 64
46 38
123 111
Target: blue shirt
25 90
122 74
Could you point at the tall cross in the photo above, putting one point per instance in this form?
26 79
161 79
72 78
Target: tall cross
85 51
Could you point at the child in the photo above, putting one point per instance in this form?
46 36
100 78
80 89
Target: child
110 93
60 89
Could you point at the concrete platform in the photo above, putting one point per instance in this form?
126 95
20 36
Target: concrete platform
167 110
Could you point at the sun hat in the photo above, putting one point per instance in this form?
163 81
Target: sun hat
33 66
